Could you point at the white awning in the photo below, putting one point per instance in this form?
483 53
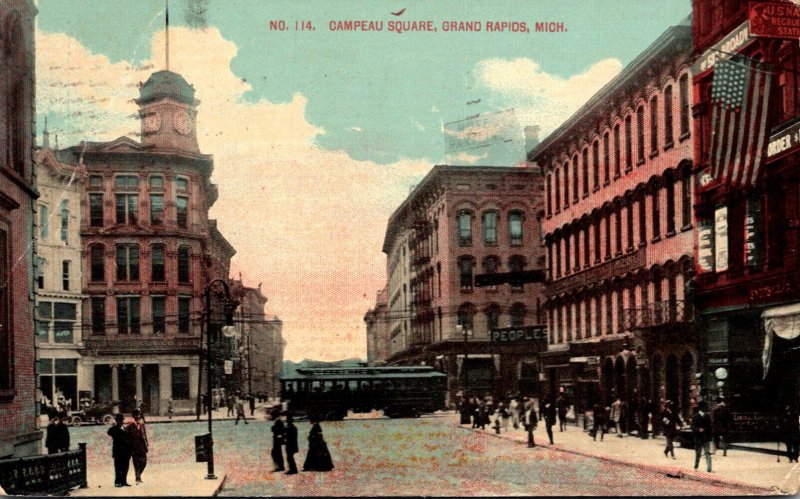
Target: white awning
784 322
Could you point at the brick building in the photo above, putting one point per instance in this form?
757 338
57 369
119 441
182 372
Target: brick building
149 250
377 321
618 234
20 435
59 280
748 213
458 222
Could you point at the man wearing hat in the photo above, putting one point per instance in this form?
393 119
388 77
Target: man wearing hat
721 421
121 451
139 444
278 439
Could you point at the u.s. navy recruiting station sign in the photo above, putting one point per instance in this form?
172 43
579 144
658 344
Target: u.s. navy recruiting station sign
774 19
522 334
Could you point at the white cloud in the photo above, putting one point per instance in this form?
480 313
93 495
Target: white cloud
538 97
307 222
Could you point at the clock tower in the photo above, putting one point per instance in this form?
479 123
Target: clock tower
168 111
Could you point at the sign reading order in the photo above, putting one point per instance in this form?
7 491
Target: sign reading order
518 334
774 19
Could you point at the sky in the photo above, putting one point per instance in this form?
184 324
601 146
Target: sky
319 134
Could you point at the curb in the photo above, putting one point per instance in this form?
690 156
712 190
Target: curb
758 490
220 486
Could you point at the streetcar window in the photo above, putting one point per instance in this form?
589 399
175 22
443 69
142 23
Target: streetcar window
315 386
364 386
389 385
353 385
339 385
327 386
378 385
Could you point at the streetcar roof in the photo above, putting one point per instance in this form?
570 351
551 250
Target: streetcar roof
363 373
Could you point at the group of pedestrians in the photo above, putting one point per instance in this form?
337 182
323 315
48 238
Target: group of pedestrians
128 443
284 437
515 412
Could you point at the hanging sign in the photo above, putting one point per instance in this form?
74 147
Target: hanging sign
721 238
228 367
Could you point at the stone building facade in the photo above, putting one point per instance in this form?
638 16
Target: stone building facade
20 435
619 237
377 321
461 221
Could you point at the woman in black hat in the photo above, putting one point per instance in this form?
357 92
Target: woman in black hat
318 457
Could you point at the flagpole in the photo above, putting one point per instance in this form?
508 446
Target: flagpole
166 31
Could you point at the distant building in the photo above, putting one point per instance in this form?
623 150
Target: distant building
59 281
149 251
377 321
458 222
618 232
20 435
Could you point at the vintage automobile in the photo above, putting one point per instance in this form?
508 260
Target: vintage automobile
93 414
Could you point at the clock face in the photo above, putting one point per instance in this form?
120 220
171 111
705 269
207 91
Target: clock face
182 122
152 122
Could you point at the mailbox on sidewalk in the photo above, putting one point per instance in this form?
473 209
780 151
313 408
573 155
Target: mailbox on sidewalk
201 445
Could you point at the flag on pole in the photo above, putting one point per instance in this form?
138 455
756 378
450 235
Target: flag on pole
740 100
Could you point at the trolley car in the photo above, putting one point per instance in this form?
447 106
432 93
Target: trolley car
330 392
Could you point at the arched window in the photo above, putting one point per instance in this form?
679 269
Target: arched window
557 189
518 311
640 134
566 185
585 170
575 178
515 228
127 262
466 317
490 227
606 160
465 266
464 228
668 126
617 153
492 316
628 144
65 221
517 263
596 164
549 189
654 125
685 105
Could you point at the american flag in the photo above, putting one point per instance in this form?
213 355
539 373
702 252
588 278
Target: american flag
740 100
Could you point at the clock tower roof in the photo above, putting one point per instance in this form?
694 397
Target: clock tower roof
166 84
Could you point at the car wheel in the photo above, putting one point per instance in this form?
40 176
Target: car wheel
108 419
75 421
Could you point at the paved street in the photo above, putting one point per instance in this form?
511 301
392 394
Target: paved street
426 456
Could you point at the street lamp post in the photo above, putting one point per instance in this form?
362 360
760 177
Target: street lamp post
460 328
229 306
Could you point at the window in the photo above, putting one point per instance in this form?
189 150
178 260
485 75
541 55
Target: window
127 208
566 185
606 160
618 229
670 206
157 263
607 221
518 312
128 315
156 182
629 220
96 182
157 309
65 221
493 316
184 311
156 209
465 223
65 315
98 315
65 275
567 254
628 145
586 245
517 263
686 201
578 249
575 178
616 152
597 241
684 96
39 271
654 126
668 131
96 209
558 257
557 187
182 184
466 315
549 189
180 383
656 223
491 264
127 262
596 164
640 134
586 171
642 221
126 182
97 264
515 228
43 228
550 261
44 314
465 266
183 264
490 227
181 204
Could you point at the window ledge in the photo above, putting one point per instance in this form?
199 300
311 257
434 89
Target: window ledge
596 188
653 154
656 239
642 244
670 233
606 183
684 136
640 162
617 175
585 195
669 145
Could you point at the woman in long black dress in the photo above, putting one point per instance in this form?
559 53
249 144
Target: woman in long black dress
318 457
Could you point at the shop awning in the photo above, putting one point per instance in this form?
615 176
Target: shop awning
784 322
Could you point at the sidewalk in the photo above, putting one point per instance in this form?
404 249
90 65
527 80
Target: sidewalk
754 471
180 479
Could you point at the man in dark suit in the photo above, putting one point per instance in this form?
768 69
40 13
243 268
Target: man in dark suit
291 444
278 436
121 450
701 430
